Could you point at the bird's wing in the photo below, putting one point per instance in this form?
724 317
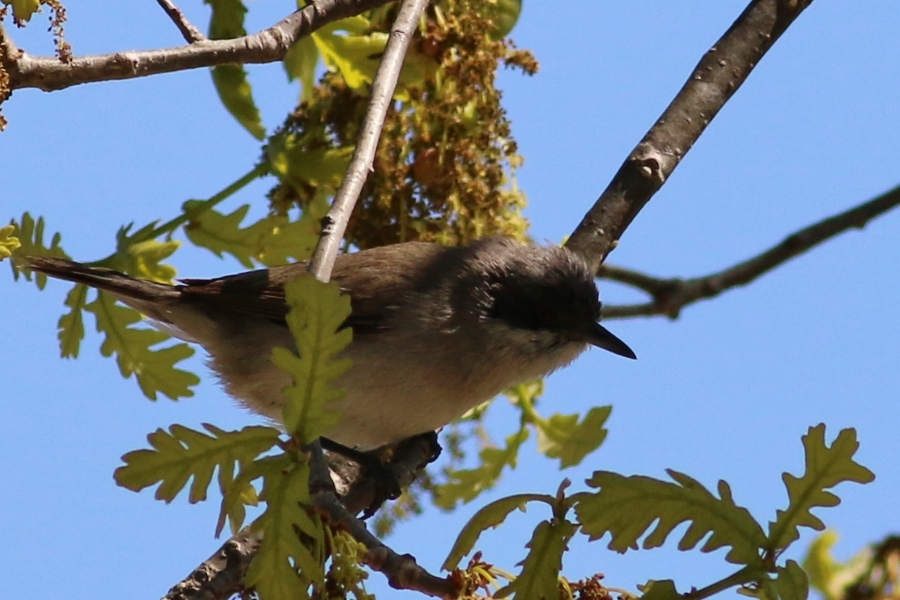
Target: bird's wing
375 280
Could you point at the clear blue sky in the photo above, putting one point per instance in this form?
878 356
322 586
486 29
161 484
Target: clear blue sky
724 392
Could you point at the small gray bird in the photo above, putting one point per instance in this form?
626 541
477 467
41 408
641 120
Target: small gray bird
436 330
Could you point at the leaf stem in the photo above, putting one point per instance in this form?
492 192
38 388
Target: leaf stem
170 226
746 575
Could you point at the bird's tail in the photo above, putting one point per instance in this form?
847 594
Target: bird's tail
138 293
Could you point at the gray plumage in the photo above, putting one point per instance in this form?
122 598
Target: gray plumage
436 330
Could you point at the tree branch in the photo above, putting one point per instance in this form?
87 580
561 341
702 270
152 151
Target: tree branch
190 33
721 71
268 45
671 295
222 575
402 571
335 223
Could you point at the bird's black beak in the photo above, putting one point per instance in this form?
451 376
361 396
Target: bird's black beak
601 337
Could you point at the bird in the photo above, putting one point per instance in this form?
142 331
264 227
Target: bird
437 329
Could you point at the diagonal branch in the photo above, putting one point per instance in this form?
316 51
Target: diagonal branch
269 45
190 33
721 71
671 295
222 574
335 223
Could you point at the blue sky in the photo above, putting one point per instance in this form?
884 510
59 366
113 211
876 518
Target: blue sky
724 392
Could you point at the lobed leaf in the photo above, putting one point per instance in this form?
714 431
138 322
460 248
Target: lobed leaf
464 485
284 567
563 437
663 589
826 467
155 369
300 63
626 507
9 243
539 578
23 10
318 311
31 243
71 325
490 516
790 583
272 240
227 21
144 260
181 453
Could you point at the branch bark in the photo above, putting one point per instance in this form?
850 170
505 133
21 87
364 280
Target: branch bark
190 33
717 76
269 45
222 574
671 295
335 223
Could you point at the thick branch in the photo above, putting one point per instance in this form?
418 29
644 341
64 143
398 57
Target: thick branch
718 75
222 575
190 33
335 223
269 45
671 295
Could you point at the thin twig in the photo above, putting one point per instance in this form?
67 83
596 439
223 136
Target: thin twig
402 571
335 223
718 75
190 33
222 575
268 45
672 295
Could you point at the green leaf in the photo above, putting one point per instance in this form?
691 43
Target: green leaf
539 578
503 13
285 240
181 453
790 583
465 484
828 576
490 516
227 21
31 243
357 55
272 240
284 567
71 324
9 243
24 9
300 63
626 507
826 467
563 437
663 589
154 369
144 260
318 310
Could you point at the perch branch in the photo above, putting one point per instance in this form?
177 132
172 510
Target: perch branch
190 33
721 71
335 223
222 575
402 571
269 45
669 296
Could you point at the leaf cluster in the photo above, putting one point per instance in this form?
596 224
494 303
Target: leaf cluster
292 555
640 511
